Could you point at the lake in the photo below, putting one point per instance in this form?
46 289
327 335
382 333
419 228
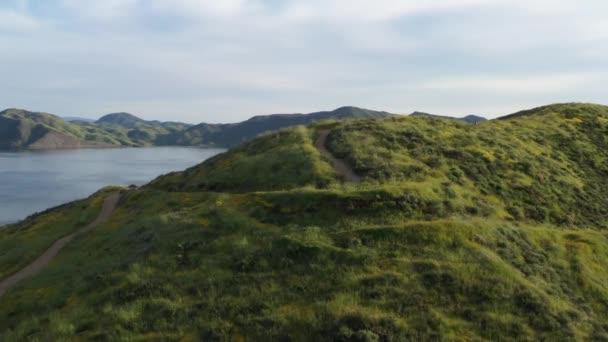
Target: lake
33 181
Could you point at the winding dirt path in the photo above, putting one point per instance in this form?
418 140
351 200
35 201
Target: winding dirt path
341 167
42 261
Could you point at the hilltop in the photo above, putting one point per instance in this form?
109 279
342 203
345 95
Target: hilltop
122 119
493 231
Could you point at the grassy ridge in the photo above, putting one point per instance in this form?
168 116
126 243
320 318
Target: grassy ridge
282 160
444 240
549 165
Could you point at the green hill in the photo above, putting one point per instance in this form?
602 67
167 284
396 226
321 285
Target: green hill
458 232
21 129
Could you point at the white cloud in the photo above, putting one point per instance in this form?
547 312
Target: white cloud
11 21
523 85
102 10
201 7
365 10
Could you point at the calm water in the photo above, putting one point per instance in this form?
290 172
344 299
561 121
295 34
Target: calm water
33 181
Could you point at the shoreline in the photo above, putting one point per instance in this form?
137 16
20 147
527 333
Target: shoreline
24 150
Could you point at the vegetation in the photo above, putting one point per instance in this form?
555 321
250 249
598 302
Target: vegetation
281 160
23 242
494 231
548 165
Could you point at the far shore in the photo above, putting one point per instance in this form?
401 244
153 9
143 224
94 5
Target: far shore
103 148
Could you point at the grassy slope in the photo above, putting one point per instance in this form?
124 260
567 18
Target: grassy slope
23 242
548 167
428 255
280 160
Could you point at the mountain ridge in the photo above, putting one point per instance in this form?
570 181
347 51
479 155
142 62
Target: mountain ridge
228 135
125 129
20 129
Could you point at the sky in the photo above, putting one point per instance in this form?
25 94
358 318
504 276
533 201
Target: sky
225 61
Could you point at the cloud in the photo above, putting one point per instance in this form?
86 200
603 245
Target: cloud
101 10
11 21
239 57
116 10
539 84
371 11
204 8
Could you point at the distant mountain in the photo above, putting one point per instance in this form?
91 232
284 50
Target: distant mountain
140 130
473 119
232 134
122 119
468 118
24 129
76 118
21 129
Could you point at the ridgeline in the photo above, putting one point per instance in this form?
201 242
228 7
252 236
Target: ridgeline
21 129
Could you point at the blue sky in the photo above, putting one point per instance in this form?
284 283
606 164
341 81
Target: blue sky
224 61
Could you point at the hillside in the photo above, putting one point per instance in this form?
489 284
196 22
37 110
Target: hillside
457 232
21 129
227 135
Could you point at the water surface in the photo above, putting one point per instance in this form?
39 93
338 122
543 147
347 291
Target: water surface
33 181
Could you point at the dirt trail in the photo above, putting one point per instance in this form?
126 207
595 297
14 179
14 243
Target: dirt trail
341 167
42 261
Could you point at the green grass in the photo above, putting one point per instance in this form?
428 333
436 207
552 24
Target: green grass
22 243
282 160
242 248
546 167
170 265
